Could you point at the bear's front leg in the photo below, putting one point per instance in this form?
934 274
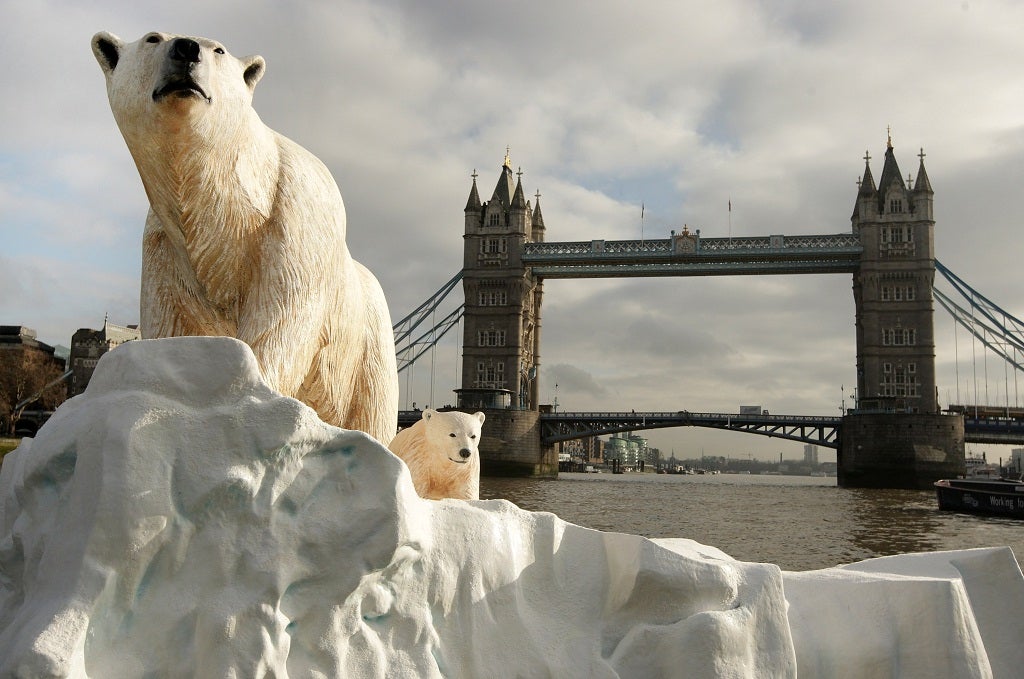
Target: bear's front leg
173 303
282 317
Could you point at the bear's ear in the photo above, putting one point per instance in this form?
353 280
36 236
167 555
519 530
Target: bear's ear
480 416
253 69
107 49
428 413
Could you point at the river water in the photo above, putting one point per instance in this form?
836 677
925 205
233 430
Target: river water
797 522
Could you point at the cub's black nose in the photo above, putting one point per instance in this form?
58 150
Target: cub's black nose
465 452
185 49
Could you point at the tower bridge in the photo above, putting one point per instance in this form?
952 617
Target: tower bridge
896 437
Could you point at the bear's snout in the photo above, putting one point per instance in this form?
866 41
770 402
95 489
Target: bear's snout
186 49
465 453
185 74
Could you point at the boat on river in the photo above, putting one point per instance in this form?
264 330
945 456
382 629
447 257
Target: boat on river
1000 497
978 467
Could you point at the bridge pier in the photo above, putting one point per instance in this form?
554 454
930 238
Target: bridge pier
511 446
899 450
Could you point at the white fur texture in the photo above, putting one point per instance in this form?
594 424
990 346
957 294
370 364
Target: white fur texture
246 232
442 452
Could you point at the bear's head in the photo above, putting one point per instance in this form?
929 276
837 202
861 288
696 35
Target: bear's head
161 78
454 435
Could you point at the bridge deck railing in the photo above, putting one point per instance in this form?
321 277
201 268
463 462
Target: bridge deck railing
845 243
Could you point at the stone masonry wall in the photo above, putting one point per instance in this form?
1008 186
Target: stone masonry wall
886 450
510 446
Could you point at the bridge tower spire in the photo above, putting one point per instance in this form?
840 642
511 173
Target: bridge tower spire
501 342
897 437
893 291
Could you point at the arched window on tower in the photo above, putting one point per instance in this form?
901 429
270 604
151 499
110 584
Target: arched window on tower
900 381
491 338
490 375
493 298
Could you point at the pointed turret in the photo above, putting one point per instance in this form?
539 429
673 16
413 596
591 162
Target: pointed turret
538 221
474 209
538 218
473 204
519 199
922 183
867 183
519 209
923 196
505 187
865 188
890 176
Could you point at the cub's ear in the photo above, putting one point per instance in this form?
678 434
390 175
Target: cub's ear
480 416
428 413
253 69
107 49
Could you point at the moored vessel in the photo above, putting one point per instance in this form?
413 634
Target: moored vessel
1001 497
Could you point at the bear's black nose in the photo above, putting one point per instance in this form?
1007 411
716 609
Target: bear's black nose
184 49
465 452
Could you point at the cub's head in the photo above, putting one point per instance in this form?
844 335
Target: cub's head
454 435
163 74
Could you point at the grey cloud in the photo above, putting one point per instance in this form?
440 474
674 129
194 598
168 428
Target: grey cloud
573 380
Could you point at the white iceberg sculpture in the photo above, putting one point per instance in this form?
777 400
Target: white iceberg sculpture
182 519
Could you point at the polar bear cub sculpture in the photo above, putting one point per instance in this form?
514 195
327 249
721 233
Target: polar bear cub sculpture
246 231
442 451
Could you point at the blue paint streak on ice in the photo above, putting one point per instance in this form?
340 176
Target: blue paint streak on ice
332 448
57 472
147 577
347 451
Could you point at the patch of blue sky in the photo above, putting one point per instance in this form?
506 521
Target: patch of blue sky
653 191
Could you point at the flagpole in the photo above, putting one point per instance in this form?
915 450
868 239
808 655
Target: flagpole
641 225
730 220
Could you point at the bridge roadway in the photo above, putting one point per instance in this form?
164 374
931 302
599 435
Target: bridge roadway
822 431
818 430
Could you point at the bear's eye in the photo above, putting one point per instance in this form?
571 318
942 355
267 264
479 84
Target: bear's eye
472 436
452 434
153 39
219 50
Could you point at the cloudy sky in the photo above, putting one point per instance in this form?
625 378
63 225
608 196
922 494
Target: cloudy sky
606 106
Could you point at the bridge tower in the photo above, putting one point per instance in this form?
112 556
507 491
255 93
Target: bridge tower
893 290
501 341
896 437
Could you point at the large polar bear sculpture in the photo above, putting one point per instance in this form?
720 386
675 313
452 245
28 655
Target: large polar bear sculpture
442 451
246 231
